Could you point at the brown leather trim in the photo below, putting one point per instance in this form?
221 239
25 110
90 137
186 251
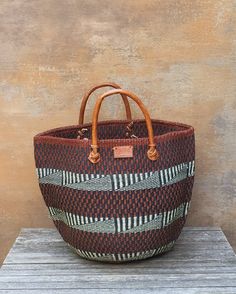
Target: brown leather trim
182 130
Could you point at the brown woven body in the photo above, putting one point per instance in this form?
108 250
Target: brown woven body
118 209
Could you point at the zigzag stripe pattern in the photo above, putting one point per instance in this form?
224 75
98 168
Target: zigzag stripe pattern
44 172
122 256
133 224
116 182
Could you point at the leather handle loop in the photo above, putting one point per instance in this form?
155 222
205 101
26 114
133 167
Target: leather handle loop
87 95
94 155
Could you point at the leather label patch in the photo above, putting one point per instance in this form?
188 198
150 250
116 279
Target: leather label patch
123 151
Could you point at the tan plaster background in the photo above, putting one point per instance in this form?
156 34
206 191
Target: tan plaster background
179 56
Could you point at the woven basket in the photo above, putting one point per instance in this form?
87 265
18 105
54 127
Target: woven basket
117 190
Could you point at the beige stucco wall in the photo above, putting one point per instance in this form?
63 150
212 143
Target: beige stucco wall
178 56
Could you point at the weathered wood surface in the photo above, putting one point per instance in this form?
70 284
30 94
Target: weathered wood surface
202 261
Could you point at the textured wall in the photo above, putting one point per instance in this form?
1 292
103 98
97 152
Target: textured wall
179 56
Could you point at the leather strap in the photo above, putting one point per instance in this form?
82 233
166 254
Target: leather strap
87 95
94 155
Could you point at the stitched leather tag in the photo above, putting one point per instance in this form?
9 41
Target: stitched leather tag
123 151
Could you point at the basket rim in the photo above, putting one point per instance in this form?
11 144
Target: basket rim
47 137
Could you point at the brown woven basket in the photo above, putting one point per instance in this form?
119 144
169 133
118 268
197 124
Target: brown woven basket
117 190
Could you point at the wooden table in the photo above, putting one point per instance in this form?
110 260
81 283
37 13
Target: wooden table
202 261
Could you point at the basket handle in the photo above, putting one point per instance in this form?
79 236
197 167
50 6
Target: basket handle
87 95
94 155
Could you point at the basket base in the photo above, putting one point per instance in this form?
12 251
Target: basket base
122 257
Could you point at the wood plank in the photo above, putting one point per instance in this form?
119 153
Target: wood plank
202 261
145 264
176 290
171 256
197 243
118 281
119 271
52 255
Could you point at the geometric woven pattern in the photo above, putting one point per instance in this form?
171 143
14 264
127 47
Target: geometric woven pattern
118 209
132 224
116 182
124 256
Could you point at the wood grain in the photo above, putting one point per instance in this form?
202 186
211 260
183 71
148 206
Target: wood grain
202 261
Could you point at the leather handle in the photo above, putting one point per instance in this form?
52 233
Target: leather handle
94 155
87 95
